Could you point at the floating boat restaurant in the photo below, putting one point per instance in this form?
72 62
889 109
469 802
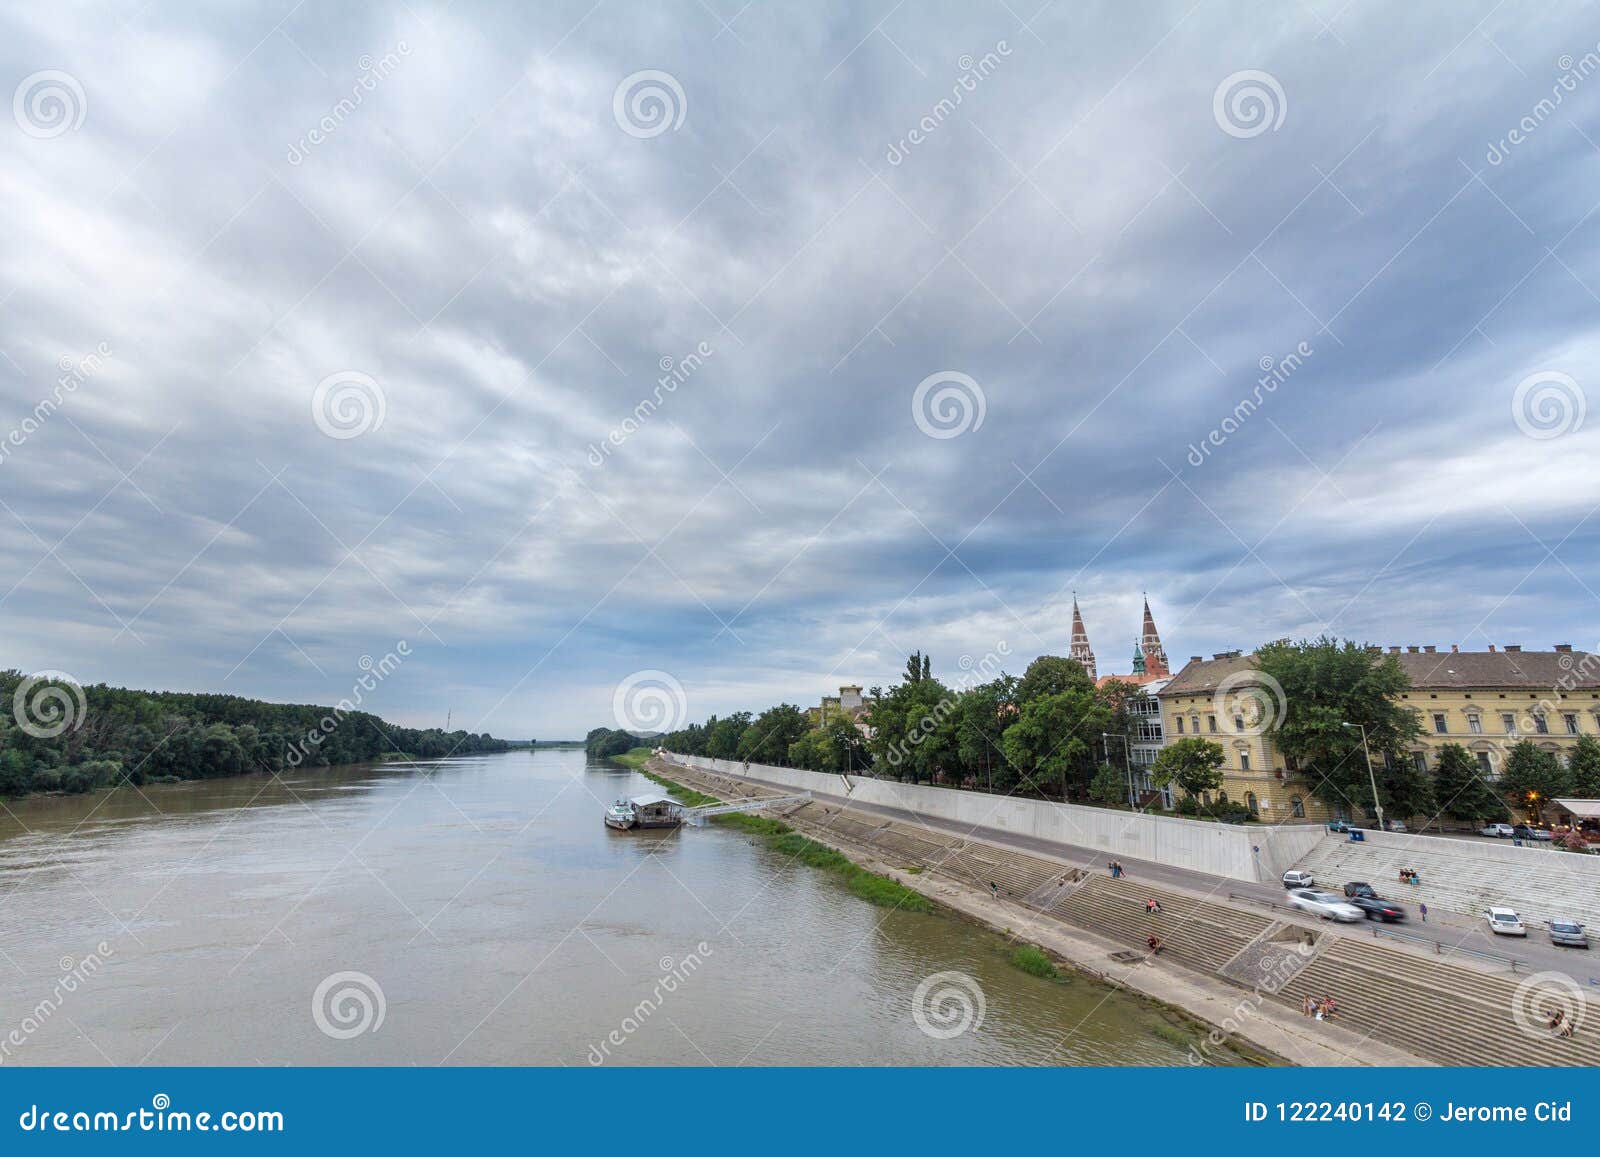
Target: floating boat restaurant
652 810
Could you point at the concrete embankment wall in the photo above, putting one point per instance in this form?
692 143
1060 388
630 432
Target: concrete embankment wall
1253 852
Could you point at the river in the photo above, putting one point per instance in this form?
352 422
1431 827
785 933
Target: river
476 911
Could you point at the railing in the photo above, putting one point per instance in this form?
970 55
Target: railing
1440 948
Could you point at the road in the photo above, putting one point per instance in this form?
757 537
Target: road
1442 931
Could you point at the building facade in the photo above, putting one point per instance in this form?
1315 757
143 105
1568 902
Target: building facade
1485 701
1149 672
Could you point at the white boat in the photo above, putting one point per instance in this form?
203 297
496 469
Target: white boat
652 810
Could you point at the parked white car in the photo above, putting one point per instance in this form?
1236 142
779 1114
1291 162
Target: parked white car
1498 831
1294 879
1326 905
1505 922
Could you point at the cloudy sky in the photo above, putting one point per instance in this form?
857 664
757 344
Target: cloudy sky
325 331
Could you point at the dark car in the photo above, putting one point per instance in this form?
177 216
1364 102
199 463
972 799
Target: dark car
1359 888
1377 908
1525 832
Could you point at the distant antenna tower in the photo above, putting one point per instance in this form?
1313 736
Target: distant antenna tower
447 712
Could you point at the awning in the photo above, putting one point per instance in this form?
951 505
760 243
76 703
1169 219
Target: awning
1584 809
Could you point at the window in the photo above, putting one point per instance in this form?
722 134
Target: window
1570 718
1238 724
1250 802
1419 760
1508 723
1244 761
1211 723
1440 724
1540 723
1484 765
1475 724
1180 724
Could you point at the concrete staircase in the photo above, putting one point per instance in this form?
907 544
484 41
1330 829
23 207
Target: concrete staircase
1445 1012
1544 887
1195 932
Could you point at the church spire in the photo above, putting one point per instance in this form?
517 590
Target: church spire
1081 653
1155 657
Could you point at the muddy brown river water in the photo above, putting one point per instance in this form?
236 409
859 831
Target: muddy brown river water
477 911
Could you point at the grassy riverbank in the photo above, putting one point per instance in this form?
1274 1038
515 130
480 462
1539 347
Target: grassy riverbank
636 758
869 886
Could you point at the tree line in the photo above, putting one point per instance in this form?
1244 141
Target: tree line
58 736
1041 734
1052 733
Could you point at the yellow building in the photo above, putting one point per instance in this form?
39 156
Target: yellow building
1485 701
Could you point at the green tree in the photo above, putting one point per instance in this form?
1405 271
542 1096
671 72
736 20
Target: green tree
1109 785
1532 778
1460 789
1313 689
1051 675
1583 769
1192 763
914 728
767 740
723 736
1050 746
984 714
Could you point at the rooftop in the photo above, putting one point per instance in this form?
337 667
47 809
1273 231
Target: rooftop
1506 668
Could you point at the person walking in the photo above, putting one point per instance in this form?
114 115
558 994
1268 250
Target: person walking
1422 909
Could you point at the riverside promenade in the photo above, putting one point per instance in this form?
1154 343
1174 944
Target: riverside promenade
1253 1017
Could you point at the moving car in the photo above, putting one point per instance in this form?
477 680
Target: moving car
1293 879
1377 908
1359 888
1525 832
1339 826
1326 905
1393 826
1505 922
1567 932
1498 831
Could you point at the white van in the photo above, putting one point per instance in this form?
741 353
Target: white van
1293 879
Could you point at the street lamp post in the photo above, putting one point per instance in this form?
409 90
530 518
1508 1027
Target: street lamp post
1127 761
1371 778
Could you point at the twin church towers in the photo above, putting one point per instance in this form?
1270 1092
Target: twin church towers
1149 658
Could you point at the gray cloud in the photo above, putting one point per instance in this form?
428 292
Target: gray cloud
474 231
